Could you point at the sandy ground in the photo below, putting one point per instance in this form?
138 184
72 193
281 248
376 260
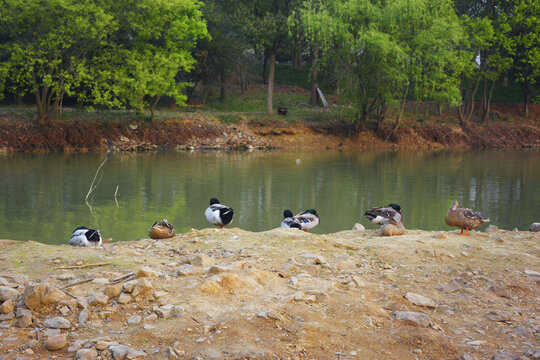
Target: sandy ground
287 294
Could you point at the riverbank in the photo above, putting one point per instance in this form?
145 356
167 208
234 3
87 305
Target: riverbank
233 294
184 131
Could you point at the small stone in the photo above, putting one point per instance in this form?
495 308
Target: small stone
37 296
82 303
185 270
143 287
129 286
522 331
151 317
505 355
147 271
64 310
320 260
75 346
476 342
536 355
121 352
7 293
83 317
113 291
124 298
452 286
66 276
417 351
535 227
492 229
268 314
200 340
20 279
164 311
293 281
412 318
98 299
357 280
51 332
499 315
32 344
86 354
24 318
171 354
101 281
202 260
102 345
420 300
134 320
159 294
500 290
358 227
4 317
57 323
56 342
7 306
440 235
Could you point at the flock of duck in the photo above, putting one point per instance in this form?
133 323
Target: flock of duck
389 217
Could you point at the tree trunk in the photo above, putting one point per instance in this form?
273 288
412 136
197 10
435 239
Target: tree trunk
487 103
264 68
153 106
223 90
526 97
466 109
398 119
270 93
314 71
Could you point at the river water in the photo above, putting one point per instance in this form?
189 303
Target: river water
43 195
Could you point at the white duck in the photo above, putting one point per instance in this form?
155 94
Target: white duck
309 219
218 214
83 236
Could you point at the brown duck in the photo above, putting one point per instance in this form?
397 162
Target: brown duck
393 227
464 218
161 230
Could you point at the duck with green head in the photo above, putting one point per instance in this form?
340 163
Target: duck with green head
308 219
381 215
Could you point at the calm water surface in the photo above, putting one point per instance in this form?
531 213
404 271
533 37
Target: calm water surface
43 195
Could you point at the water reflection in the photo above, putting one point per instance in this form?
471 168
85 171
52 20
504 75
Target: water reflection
44 194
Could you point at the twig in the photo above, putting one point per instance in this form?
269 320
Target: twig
81 266
116 193
92 187
123 278
77 283
65 292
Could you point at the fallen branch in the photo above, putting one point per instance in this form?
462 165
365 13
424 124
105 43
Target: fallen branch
82 266
76 283
92 187
65 292
123 278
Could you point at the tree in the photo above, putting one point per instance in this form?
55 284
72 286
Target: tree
45 46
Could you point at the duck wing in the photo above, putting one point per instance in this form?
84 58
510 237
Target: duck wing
290 222
223 214
380 215
471 214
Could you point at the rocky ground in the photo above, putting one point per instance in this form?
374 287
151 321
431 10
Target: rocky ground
280 294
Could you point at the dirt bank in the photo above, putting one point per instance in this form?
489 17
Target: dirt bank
280 294
205 132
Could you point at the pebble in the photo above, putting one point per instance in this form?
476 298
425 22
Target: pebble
121 352
358 227
86 354
202 260
320 260
83 317
492 229
57 323
129 286
412 318
268 314
7 293
124 298
113 291
147 271
200 340
536 355
499 315
98 299
185 270
7 306
143 287
476 342
66 276
56 342
420 300
100 281
505 355
36 296
535 227
134 320
51 332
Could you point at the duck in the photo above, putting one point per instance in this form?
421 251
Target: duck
464 218
83 236
308 219
161 230
392 227
380 215
218 214
289 221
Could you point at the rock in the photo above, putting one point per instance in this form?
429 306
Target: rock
113 291
134 320
147 271
75 346
202 260
160 294
7 293
101 281
20 279
185 270
51 332
66 276
535 227
37 296
536 355
358 227
171 353
499 315
164 311
124 298
64 310
121 352
439 235
57 323
56 342
151 317
492 229
268 314
143 287
500 290
7 306
476 342
129 286
24 318
4 317
320 260
102 345
505 355
216 269
466 356
420 300
86 354
412 318
98 299
83 317
452 286
522 331
357 280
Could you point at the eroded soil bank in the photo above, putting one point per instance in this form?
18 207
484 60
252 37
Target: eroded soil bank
280 294
197 132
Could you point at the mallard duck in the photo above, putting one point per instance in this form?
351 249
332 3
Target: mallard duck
219 215
393 227
83 236
289 221
380 215
464 218
161 230
308 219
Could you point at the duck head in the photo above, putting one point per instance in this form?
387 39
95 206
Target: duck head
313 212
454 205
81 228
214 201
287 213
395 207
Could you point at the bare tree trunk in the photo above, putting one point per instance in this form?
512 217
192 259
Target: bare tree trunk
223 90
526 97
270 93
153 106
314 71
487 103
398 119
466 109
264 69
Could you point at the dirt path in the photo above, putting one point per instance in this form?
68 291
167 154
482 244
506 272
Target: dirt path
283 294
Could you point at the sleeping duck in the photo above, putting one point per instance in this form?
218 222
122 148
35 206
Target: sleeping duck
161 230
289 221
393 227
464 218
380 215
83 236
308 219
219 215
